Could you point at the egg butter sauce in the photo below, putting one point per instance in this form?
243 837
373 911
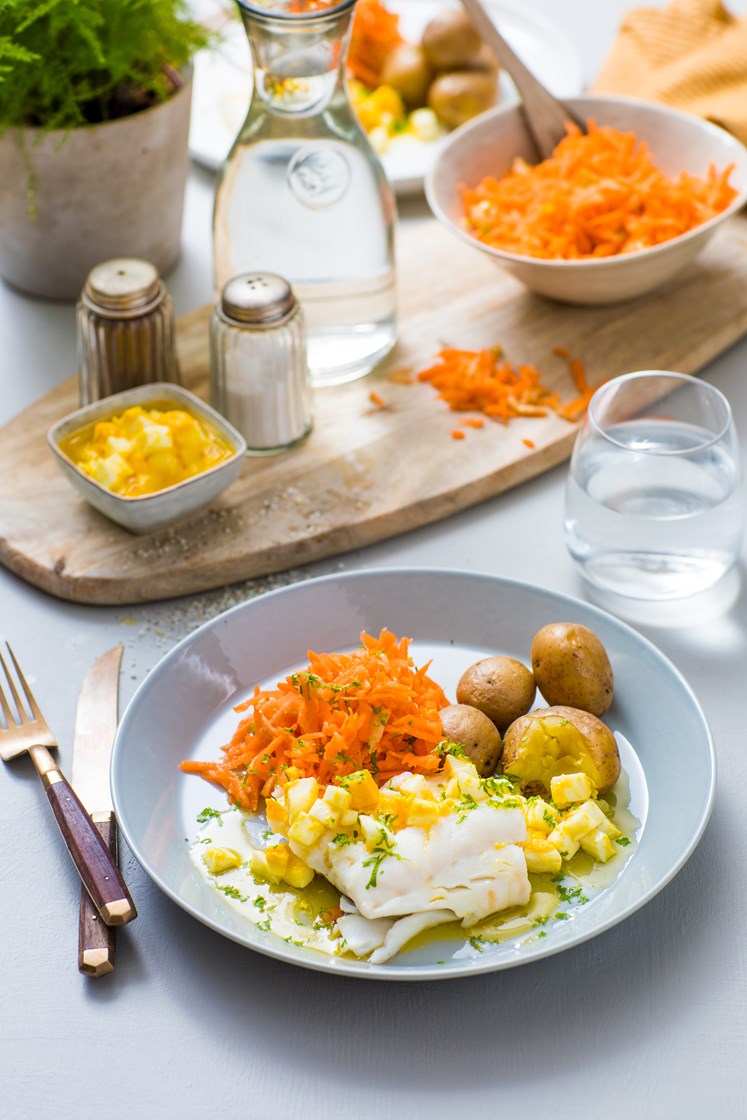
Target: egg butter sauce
143 450
362 872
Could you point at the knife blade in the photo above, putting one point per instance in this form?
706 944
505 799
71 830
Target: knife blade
95 728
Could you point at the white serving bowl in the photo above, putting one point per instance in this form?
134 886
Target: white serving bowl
150 512
678 142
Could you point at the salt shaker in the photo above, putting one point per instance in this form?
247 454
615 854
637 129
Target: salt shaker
259 374
125 329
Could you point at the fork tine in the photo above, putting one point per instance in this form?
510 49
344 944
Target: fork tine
10 719
35 709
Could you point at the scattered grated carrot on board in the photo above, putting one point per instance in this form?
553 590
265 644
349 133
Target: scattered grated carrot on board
457 434
379 401
598 195
375 34
371 709
483 381
575 409
529 443
474 422
402 376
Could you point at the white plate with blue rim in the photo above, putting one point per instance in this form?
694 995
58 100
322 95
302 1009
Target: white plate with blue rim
184 709
222 81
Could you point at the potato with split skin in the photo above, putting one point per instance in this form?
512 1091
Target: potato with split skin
571 667
559 740
501 687
475 734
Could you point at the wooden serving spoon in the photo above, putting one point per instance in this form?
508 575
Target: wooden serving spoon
545 115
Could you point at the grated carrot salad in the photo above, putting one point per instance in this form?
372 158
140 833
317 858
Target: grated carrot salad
371 709
483 381
374 36
599 194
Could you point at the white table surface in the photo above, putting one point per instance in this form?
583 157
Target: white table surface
647 1021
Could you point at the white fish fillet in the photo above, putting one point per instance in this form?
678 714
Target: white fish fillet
469 864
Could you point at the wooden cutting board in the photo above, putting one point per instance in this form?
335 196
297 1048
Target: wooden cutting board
365 473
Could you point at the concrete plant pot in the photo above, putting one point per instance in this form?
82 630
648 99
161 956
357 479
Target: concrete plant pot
108 190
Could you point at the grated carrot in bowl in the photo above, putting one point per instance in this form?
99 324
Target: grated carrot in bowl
599 195
370 709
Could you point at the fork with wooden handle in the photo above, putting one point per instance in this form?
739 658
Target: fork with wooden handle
29 733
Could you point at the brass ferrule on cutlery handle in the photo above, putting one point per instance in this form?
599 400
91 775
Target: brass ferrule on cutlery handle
97 942
97 869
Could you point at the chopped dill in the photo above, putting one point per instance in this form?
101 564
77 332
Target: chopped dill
232 892
208 814
383 849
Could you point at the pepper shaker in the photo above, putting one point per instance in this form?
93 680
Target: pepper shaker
259 374
125 329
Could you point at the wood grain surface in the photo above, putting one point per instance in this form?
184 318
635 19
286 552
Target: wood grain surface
365 473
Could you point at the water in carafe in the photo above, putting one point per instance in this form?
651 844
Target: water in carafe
303 194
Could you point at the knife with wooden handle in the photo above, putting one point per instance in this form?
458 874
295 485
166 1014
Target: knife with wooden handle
95 728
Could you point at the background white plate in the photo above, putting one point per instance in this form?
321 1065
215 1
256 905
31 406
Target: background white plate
183 709
222 83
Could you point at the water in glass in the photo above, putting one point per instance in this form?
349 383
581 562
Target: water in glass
654 506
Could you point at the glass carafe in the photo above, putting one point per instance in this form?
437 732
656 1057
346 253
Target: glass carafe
302 192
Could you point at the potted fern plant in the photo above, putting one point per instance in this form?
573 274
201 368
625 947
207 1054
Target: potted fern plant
94 118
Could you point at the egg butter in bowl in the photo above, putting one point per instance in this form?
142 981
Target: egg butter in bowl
149 457
610 215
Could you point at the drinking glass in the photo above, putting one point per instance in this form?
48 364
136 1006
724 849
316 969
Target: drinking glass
655 500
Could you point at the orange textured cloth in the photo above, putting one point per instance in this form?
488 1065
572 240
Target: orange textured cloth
691 55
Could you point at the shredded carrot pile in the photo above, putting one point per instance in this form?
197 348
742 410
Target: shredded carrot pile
598 195
483 381
375 35
371 709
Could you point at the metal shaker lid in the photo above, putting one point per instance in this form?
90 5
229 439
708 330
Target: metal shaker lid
259 299
125 284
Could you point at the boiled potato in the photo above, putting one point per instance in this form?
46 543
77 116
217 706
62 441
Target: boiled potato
501 687
560 740
475 734
407 71
571 667
484 60
461 95
450 41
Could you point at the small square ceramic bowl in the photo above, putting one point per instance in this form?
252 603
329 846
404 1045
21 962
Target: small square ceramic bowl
149 513
488 145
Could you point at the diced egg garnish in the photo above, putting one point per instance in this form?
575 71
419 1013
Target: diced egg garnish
446 846
142 450
416 853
